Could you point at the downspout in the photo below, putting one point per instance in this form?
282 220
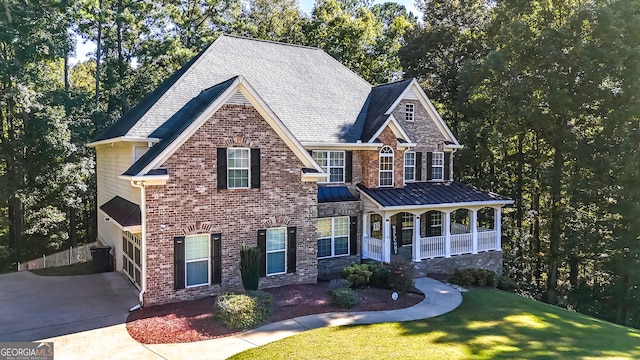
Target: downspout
143 265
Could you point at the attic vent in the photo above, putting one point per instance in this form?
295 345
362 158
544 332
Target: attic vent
238 99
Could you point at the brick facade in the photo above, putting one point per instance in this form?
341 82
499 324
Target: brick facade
329 268
190 203
422 130
370 161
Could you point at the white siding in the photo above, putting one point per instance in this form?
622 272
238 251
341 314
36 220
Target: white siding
109 234
411 95
112 161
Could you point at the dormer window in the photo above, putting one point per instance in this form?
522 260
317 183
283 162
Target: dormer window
386 167
437 166
408 112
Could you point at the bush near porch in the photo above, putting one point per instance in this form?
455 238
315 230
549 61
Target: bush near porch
397 275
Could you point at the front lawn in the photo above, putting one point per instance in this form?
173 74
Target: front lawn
490 324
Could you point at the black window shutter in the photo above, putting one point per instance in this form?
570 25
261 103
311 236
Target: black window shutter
255 168
353 235
418 166
447 165
291 249
216 257
178 262
348 164
262 244
222 168
429 166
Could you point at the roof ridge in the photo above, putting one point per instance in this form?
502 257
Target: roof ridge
270 41
394 82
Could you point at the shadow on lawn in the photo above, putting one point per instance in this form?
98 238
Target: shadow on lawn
500 325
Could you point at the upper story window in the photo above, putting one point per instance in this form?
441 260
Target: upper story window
408 112
332 162
138 151
386 167
437 166
237 168
409 166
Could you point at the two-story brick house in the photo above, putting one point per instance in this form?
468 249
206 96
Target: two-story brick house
280 146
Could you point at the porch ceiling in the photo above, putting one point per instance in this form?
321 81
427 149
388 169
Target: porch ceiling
432 194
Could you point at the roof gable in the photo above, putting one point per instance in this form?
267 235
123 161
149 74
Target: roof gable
374 112
187 120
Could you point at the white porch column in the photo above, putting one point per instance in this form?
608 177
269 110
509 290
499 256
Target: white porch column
473 222
386 235
365 225
416 238
447 233
497 216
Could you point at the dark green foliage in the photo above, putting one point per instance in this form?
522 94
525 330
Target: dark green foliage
339 283
379 275
401 276
478 277
506 284
242 311
250 267
344 298
357 274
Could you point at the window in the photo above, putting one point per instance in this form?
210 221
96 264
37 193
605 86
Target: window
437 166
196 250
238 168
138 151
409 166
407 228
386 166
408 112
276 250
333 163
436 224
333 236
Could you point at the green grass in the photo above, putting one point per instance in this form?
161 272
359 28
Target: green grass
490 324
82 268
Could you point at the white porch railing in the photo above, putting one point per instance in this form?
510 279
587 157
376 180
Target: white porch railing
433 246
461 243
373 248
486 240
459 229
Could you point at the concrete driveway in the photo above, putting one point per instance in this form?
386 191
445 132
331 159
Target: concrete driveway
35 307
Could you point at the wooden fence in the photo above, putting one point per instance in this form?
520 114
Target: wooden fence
73 255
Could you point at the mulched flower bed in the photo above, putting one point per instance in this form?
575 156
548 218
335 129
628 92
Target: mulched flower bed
190 321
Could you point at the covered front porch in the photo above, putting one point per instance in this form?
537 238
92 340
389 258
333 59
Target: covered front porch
433 219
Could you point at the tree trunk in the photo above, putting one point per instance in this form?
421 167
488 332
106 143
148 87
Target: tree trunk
555 226
121 64
98 51
73 224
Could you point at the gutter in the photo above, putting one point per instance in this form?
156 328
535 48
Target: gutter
143 265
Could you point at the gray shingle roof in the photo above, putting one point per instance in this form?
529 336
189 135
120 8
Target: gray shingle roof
316 97
176 124
431 193
378 102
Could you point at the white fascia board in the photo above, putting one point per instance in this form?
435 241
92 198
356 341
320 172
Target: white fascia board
314 176
147 179
397 130
449 147
406 145
340 146
123 139
424 99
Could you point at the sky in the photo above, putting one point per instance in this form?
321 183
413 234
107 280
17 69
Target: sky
84 48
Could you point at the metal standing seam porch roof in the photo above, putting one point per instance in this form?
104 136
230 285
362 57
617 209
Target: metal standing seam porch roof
431 193
123 211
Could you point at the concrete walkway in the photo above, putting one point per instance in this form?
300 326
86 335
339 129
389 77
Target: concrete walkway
115 341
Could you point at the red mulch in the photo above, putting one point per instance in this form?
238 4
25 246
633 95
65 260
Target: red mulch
190 321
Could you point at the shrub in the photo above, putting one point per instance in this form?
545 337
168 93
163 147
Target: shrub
379 275
250 267
401 276
242 311
506 284
357 274
339 283
475 276
345 298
